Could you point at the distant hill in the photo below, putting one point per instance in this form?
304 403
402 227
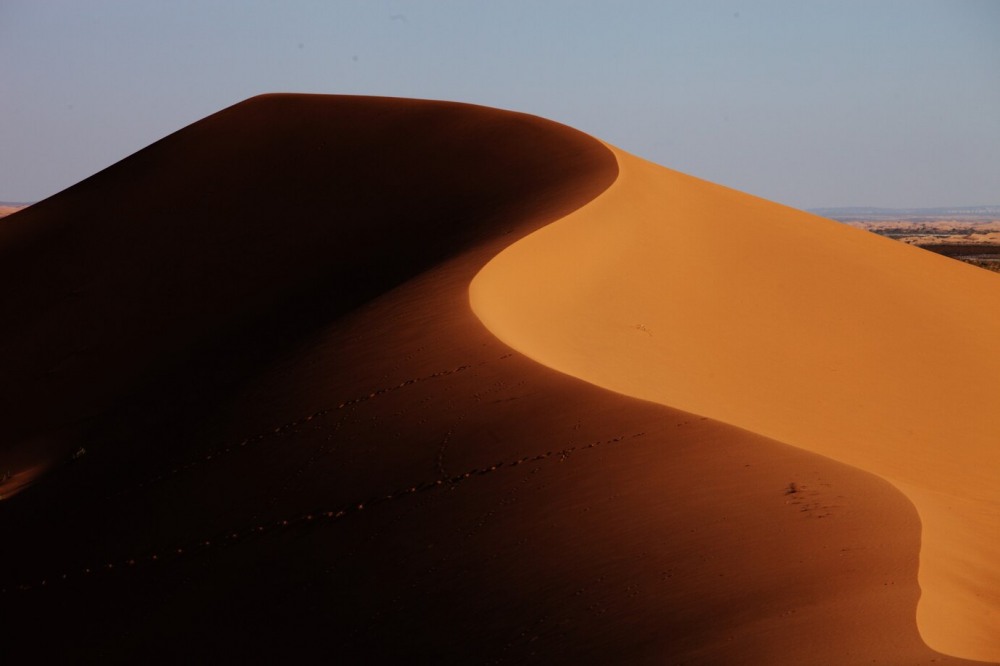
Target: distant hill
9 207
967 213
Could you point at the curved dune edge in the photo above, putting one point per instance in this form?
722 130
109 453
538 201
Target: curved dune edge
278 206
834 340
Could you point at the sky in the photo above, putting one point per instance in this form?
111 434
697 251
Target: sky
809 103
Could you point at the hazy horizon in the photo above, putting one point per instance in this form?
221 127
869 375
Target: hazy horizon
894 104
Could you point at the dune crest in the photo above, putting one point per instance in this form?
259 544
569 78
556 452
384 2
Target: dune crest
834 340
244 230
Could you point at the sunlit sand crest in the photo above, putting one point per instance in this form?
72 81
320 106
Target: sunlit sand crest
689 294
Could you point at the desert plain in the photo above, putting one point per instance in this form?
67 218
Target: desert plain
374 380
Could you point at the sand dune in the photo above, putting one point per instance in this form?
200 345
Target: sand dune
10 209
300 442
836 341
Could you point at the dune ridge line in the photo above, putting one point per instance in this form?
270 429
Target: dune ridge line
115 296
834 340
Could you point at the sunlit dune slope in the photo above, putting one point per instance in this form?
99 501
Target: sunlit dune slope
822 336
288 439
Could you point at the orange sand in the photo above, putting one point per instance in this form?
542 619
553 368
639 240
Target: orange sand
856 347
9 210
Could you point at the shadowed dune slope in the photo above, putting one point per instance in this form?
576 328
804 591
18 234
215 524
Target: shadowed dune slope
271 215
818 335
302 443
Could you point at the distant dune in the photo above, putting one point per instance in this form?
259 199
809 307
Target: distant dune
9 209
265 423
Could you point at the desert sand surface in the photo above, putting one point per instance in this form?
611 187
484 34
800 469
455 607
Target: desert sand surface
942 233
839 342
10 209
274 428
976 242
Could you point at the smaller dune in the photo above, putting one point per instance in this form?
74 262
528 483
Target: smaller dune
10 209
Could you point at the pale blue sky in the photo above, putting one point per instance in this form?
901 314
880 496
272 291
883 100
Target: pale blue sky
875 102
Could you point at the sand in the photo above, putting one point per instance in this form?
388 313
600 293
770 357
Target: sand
818 335
6 210
301 443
